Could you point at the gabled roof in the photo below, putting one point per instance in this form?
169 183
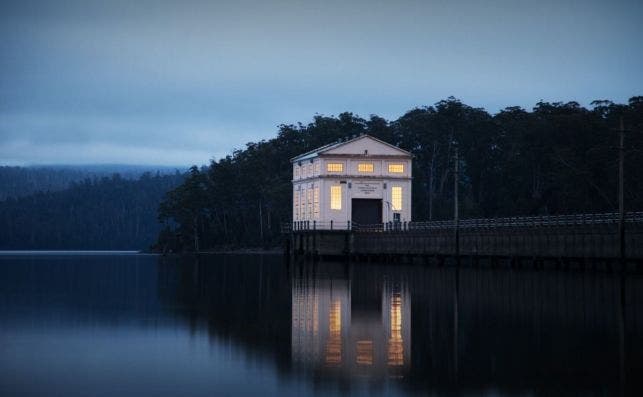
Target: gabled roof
331 146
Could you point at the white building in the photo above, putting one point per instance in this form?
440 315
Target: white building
363 181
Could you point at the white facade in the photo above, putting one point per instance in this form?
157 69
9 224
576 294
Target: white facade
362 181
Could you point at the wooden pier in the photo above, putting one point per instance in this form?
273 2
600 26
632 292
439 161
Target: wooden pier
594 236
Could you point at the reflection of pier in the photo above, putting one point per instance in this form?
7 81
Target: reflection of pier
335 328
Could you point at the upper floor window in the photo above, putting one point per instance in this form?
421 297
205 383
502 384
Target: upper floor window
365 167
296 172
396 168
335 167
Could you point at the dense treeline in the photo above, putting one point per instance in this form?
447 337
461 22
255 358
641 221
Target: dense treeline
557 158
105 213
22 181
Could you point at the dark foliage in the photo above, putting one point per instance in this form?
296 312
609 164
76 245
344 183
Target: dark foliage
106 213
558 158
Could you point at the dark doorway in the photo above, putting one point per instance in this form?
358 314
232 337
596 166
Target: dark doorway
366 211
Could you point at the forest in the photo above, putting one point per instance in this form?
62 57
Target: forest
107 213
23 181
558 158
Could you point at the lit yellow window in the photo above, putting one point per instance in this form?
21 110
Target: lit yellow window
365 167
336 197
396 198
334 167
396 168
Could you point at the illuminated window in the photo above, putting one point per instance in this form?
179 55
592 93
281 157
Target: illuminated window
365 167
396 198
310 170
396 168
316 202
336 197
334 167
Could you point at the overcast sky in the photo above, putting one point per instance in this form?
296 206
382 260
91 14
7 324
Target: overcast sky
181 82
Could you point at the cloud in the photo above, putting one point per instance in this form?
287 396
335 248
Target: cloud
201 76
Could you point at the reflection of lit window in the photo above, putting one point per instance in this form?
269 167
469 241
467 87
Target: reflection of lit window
364 352
396 168
336 197
396 198
365 167
334 167
334 345
395 343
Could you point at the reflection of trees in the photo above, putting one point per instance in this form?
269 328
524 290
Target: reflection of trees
242 299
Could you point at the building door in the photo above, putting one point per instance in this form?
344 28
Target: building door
366 211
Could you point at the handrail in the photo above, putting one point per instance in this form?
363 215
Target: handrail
474 223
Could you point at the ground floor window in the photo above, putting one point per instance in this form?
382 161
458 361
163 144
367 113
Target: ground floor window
336 197
396 198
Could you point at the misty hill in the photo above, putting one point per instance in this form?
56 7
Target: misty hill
23 181
106 213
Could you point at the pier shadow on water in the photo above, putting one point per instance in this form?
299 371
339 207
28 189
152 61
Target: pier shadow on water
251 324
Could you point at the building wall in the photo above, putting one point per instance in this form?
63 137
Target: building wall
354 184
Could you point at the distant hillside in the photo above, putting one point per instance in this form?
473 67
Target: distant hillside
106 213
22 181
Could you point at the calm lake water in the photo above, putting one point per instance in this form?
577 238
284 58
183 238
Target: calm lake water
124 324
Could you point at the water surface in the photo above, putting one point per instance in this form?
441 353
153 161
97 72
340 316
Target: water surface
98 324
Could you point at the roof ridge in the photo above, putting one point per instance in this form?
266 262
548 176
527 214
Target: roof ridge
337 144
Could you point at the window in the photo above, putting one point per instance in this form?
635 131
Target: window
396 198
316 202
310 170
295 203
302 205
336 197
334 167
317 167
365 167
396 168
310 203
296 172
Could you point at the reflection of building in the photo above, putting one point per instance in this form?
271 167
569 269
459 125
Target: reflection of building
332 329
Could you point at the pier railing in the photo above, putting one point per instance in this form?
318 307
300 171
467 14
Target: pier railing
611 218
